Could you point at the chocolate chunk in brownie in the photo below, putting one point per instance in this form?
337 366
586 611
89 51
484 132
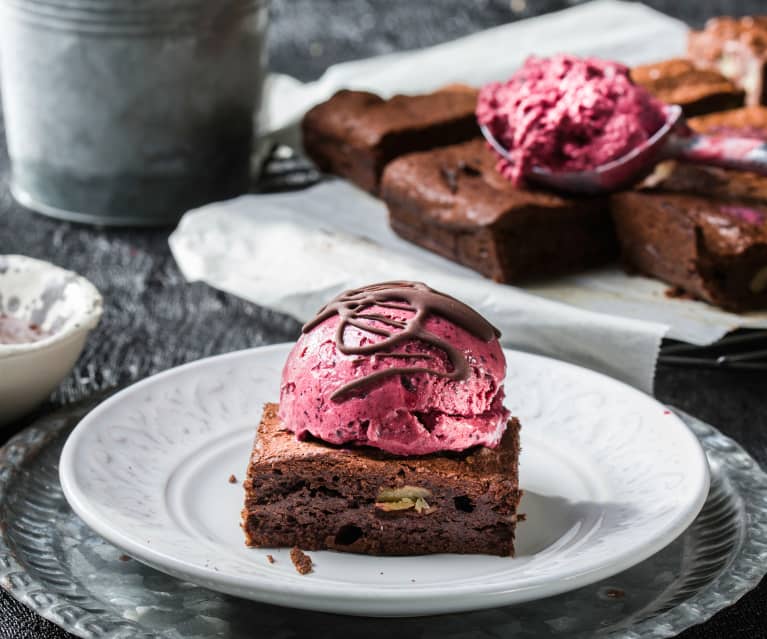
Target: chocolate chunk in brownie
355 134
454 202
702 229
317 496
697 91
736 47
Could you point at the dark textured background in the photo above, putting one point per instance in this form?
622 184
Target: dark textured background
154 320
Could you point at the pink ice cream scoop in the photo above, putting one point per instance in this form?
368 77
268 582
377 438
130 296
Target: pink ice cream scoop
567 114
400 367
581 125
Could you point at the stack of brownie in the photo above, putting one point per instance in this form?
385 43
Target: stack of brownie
703 231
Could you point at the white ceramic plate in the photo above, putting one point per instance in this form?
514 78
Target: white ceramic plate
610 476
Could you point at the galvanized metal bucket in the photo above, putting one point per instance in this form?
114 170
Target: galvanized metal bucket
129 112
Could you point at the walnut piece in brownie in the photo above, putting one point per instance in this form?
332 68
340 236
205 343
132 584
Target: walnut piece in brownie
736 47
317 496
454 202
355 134
301 561
702 229
697 91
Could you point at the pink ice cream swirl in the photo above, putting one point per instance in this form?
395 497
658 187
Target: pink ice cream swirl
567 114
399 367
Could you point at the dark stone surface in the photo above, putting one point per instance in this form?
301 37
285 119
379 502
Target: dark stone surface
154 320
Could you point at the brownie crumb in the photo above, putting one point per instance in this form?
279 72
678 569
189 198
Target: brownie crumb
301 560
124 558
232 479
270 559
677 292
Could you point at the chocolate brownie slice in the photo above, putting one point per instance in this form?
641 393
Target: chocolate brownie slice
737 47
454 202
317 496
697 91
713 250
702 229
750 121
355 134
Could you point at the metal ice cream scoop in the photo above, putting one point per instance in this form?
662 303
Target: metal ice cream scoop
674 140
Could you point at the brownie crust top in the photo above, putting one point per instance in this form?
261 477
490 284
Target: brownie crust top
463 189
364 119
276 445
678 81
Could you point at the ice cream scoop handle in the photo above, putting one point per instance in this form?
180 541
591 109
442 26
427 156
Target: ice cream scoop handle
741 154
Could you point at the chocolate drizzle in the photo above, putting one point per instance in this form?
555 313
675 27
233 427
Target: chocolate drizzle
414 297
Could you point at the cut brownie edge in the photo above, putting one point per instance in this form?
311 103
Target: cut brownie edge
453 201
699 228
697 91
363 500
679 239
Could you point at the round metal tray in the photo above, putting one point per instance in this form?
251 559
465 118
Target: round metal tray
53 563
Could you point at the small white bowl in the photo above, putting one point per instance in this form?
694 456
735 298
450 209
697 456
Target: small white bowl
63 304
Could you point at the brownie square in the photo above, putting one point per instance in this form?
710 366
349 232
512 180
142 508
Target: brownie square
454 202
737 47
317 496
748 121
713 250
355 134
697 91
702 229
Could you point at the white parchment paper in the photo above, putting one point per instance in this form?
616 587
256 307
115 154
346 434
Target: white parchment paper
293 251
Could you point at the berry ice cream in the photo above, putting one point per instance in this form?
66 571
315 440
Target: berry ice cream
567 114
399 367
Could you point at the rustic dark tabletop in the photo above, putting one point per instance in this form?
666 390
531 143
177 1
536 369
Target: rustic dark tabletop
154 320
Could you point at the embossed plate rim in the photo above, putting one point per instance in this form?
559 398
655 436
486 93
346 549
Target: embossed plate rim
364 599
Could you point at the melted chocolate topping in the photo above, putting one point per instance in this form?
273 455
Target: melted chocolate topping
415 297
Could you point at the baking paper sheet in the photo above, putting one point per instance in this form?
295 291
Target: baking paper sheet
293 251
